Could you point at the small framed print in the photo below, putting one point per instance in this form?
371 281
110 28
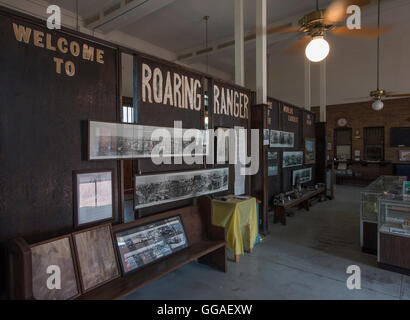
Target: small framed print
54 253
93 196
96 257
404 155
310 151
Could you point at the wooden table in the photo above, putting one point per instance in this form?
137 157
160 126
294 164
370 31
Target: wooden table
280 209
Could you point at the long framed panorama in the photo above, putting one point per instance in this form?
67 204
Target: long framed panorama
157 189
145 244
109 140
54 252
93 196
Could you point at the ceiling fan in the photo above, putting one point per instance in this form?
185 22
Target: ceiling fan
315 25
378 94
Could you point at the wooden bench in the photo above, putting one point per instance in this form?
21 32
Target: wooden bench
206 244
280 209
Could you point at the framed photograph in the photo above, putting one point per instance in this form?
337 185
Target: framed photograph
93 196
162 188
109 140
310 150
272 171
304 175
404 155
292 159
145 244
281 139
266 139
272 157
96 258
45 258
406 190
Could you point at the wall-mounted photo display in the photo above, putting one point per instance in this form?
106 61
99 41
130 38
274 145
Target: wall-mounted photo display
281 139
404 155
156 189
266 139
130 141
93 196
45 256
304 175
97 261
310 150
272 171
143 245
292 159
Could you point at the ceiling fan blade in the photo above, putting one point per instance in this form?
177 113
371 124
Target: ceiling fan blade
358 99
365 32
282 29
397 95
337 10
298 46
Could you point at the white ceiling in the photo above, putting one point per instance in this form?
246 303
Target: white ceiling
179 26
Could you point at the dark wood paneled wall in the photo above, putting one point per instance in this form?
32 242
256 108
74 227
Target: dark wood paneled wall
43 129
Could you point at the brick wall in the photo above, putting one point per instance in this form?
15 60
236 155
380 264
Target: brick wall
396 113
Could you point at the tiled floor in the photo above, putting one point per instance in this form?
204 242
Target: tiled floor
307 259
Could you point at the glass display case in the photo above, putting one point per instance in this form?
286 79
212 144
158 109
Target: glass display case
369 208
394 215
382 185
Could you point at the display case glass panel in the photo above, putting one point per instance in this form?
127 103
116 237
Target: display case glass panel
394 215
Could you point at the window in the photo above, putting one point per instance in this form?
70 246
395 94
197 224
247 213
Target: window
343 143
373 141
127 111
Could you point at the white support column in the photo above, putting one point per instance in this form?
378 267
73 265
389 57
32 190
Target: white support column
239 44
261 59
323 91
308 100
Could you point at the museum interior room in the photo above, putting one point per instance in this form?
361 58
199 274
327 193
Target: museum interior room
205 150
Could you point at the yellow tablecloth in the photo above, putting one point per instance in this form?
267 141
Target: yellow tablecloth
239 218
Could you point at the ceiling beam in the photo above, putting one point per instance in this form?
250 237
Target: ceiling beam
123 13
228 43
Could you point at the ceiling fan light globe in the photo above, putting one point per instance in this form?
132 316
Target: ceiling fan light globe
377 105
317 49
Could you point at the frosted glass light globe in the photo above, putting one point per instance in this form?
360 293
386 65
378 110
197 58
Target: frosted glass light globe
377 105
317 49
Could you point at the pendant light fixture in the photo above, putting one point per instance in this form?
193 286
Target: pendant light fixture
318 48
378 104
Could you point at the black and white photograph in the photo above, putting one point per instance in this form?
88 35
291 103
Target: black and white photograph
272 156
292 159
304 175
156 189
142 245
281 139
272 171
129 141
266 137
93 194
